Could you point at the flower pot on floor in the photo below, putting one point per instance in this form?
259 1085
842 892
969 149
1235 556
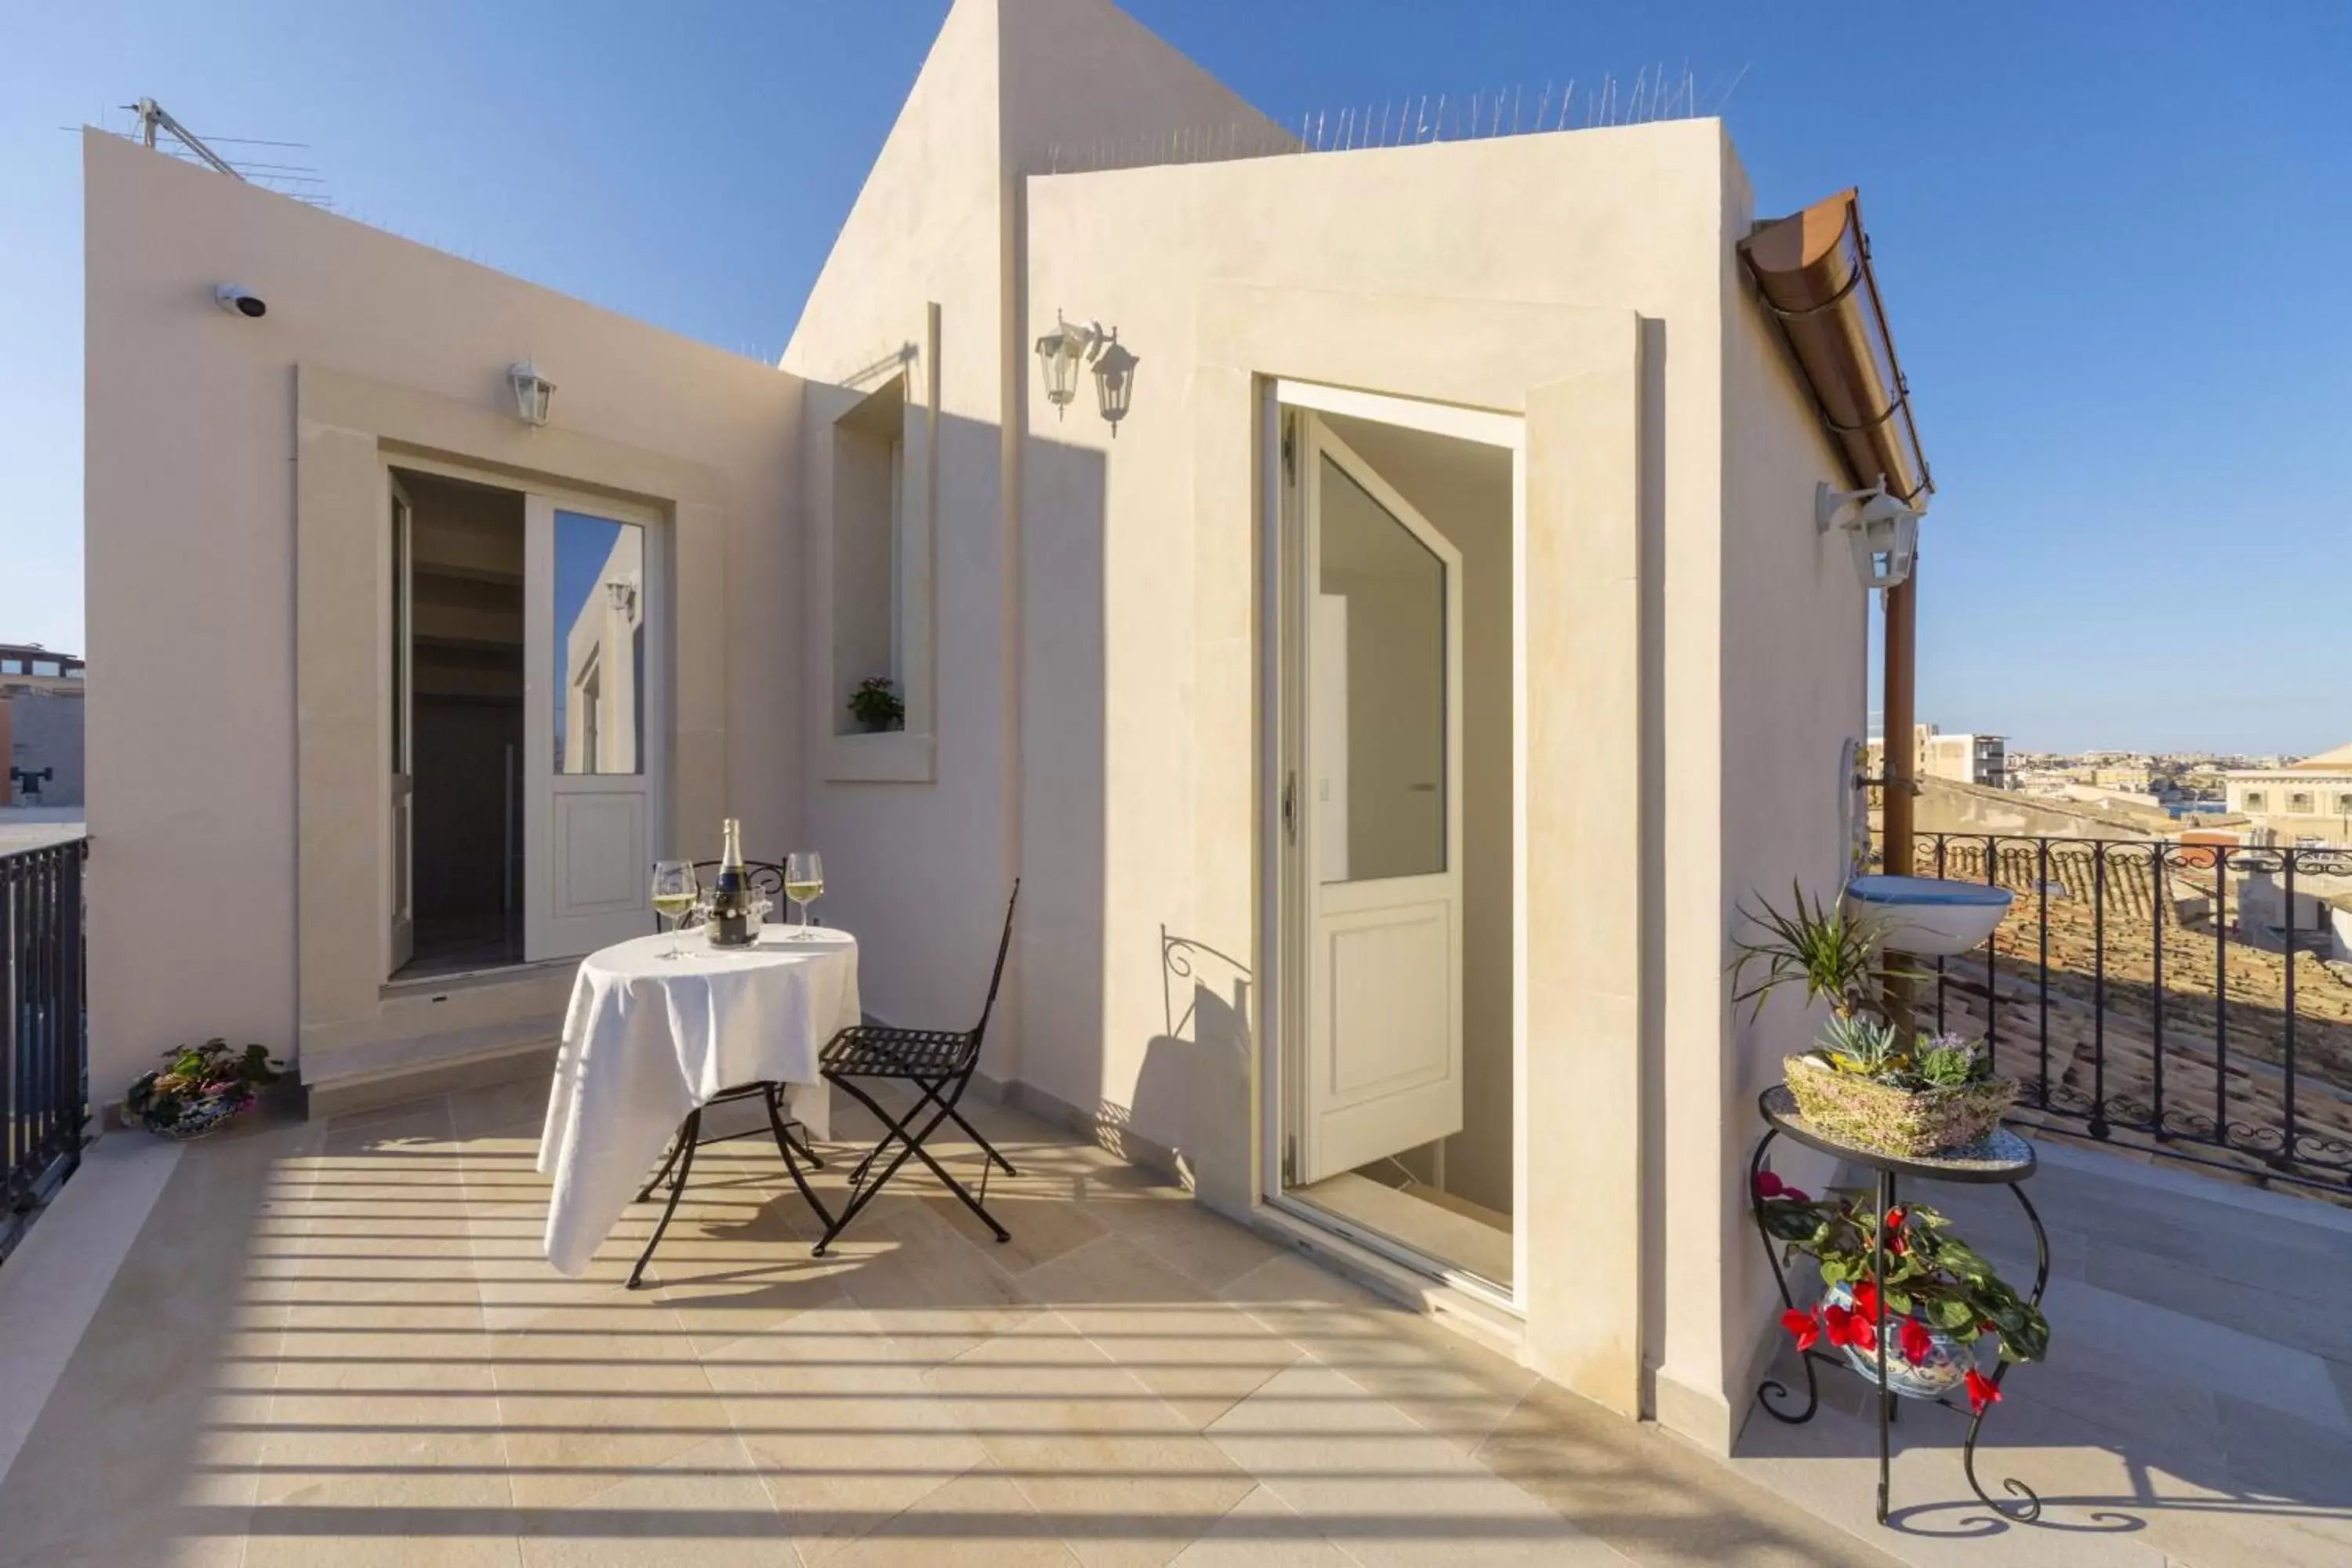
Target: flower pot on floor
1896 1121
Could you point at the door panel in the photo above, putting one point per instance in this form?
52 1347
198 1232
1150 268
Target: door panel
1383 599
401 850
594 714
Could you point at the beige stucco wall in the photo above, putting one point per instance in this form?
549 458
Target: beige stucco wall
1009 87
1636 221
191 505
1791 682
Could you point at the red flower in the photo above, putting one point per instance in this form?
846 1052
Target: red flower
1982 1391
1894 1219
1844 1328
1767 1186
1894 1232
1989 1326
1866 1300
1917 1343
1804 1326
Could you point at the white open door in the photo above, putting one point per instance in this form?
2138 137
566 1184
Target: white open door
402 817
595 715
1383 599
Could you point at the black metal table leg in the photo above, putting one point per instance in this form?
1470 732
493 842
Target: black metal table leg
1878 1327
1772 1388
2028 1508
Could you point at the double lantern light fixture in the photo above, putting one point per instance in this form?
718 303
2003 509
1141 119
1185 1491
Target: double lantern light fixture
1061 351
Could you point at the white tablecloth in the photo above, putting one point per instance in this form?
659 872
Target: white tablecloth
648 1038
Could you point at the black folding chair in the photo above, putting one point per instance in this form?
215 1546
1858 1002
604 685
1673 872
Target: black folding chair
680 1159
940 1063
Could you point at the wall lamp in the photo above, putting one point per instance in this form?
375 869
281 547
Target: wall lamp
531 391
1883 532
1061 352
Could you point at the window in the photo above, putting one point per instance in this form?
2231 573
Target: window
2257 800
48 667
2299 804
12 667
881 581
2344 805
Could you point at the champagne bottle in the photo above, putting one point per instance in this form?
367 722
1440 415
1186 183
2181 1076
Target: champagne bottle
730 904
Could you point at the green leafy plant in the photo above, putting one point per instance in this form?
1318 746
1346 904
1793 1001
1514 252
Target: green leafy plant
1933 1278
1948 1060
1835 955
877 705
201 1084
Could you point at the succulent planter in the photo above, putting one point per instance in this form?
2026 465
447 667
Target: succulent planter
1943 1370
1896 1121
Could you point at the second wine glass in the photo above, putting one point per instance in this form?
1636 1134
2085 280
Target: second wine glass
803 884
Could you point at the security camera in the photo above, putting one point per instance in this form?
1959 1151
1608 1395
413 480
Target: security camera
240 302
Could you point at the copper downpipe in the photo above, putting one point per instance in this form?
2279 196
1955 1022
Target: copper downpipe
1813 271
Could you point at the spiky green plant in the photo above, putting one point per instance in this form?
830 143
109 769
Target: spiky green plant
1815 942
1862 1044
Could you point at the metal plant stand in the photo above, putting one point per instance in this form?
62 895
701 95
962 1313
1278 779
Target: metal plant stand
2003 1159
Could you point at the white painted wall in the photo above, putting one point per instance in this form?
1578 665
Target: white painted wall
921 868
1792 673
190 491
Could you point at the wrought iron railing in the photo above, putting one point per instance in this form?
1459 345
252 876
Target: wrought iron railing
2191 999
43 1039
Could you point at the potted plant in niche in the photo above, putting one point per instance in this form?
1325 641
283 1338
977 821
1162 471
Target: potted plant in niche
1940 1297
877 705
199 1089
1863 1080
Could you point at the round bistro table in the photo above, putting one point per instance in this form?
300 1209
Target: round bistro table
2000 1158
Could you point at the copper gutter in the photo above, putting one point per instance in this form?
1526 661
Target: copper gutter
1812 269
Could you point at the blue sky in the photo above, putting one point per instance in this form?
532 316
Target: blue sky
2113 239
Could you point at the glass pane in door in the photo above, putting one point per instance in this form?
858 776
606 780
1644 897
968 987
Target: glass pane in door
600 652
1380 657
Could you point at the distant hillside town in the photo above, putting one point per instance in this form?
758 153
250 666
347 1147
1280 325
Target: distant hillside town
2256 799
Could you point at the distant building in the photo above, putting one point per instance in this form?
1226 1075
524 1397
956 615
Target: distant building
40 725
1980 759
2311 799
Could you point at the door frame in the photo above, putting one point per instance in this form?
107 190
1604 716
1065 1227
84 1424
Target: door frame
660 574
400 713
1285 855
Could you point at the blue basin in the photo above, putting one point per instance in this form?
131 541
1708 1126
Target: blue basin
1927 916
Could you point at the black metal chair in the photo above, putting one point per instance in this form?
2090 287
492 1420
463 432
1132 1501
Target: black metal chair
765 876
939 1062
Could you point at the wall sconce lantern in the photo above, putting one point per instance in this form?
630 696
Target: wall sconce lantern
1063 351
1114 379
1060 353
1883 532
531 391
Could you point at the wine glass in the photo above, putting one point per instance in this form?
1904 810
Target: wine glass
674 890
803 884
